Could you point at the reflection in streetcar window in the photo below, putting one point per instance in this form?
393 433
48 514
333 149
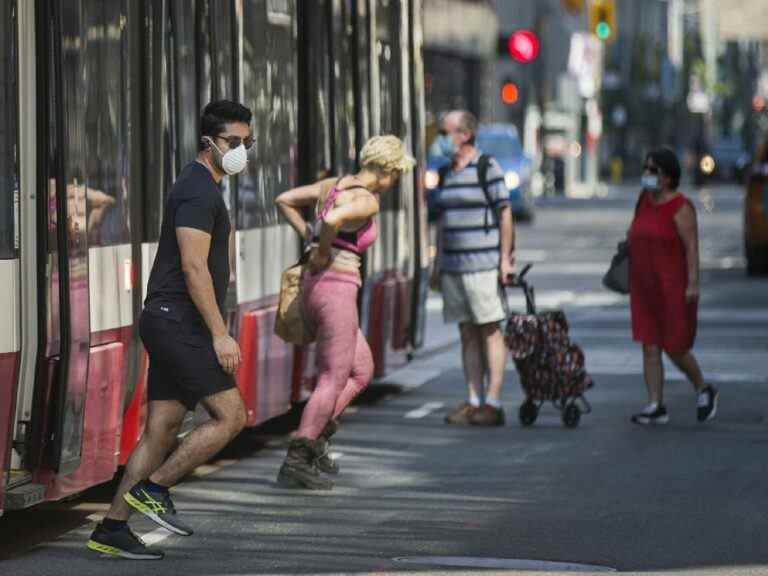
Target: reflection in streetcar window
270 90
105 150
8 133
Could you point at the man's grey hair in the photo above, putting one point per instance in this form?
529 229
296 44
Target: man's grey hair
467 121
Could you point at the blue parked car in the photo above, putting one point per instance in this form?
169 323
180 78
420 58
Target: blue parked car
503 143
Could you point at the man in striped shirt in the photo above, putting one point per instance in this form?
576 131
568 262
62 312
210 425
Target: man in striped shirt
475 258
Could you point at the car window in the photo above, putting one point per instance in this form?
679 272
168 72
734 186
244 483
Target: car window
499 146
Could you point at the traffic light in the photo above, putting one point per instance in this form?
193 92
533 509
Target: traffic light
510 93
602 19
522 46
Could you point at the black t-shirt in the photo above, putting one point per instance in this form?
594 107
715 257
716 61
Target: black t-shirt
195 201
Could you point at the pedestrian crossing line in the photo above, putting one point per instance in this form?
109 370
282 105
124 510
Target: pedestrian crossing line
411 377
157 535
425 410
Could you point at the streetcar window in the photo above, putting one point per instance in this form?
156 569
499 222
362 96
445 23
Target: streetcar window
390 114
344 87
105 152
269 80
9 181
316 154
186 104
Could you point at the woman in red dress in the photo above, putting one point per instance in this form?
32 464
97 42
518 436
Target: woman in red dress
664 285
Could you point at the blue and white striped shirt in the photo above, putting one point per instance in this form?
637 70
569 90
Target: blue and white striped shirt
469 225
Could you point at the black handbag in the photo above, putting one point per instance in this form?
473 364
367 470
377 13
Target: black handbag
617 276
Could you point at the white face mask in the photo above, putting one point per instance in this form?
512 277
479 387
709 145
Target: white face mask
650 182
234 161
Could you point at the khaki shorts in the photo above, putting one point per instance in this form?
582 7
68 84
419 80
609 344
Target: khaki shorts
473 297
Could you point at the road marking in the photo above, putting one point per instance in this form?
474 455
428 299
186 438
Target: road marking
157 535
424 410
411 377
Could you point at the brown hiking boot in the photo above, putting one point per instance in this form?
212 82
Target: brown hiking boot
324 462
299 469
461 415
487 415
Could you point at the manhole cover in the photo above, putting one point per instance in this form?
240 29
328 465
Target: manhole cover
503 563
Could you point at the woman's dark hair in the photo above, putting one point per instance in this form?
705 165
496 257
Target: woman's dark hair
218 114
666 160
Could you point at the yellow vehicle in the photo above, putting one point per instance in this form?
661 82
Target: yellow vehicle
756 220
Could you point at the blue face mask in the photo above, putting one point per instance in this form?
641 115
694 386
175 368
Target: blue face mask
446 145
650 182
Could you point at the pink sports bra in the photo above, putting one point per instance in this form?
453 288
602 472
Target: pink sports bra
357 241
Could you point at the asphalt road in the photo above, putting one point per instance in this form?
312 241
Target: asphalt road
418 496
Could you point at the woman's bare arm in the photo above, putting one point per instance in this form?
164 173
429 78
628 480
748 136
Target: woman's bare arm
687 227
292 201
362 207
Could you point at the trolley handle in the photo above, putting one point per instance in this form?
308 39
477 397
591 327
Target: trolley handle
519 279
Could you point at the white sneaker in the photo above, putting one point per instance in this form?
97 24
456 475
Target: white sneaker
651 414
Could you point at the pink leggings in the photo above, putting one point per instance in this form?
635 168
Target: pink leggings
344 360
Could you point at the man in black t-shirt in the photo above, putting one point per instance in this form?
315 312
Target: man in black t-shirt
192 357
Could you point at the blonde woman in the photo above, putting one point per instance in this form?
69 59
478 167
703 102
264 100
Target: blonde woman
343 229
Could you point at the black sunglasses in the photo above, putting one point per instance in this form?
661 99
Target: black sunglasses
235 141
651 169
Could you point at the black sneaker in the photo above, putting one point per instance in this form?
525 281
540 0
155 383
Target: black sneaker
651 416
706 403
122 543
156 506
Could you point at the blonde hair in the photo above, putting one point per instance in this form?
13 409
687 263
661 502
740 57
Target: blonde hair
385 154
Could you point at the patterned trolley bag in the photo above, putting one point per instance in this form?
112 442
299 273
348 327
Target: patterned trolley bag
550 366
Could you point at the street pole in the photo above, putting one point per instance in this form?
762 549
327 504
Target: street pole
540 25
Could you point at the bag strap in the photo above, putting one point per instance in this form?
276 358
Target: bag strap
483 163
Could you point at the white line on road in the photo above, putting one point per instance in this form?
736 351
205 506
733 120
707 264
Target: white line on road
424 410
157 535
411 377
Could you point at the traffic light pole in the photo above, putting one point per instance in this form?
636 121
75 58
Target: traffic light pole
547 170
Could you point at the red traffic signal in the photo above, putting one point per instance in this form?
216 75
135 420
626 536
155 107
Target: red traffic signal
510 93
523 46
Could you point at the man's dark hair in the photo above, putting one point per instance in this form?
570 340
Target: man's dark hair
667 162
217 114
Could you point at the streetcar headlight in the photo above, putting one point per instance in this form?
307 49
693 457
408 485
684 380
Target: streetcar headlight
512 179
431 179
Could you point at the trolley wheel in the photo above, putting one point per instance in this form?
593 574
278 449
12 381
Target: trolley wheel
571 415
528 413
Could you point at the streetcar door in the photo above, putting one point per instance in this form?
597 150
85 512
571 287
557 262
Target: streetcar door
10 253
420 287
62 187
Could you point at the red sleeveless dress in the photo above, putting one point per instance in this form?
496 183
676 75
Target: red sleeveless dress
658 277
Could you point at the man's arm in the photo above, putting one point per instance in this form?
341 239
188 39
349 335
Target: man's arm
194 246
507 246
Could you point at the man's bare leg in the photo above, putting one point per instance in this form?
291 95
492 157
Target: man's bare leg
495 358
472 359
227 420
164 417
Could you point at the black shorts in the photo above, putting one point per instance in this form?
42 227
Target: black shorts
182 363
